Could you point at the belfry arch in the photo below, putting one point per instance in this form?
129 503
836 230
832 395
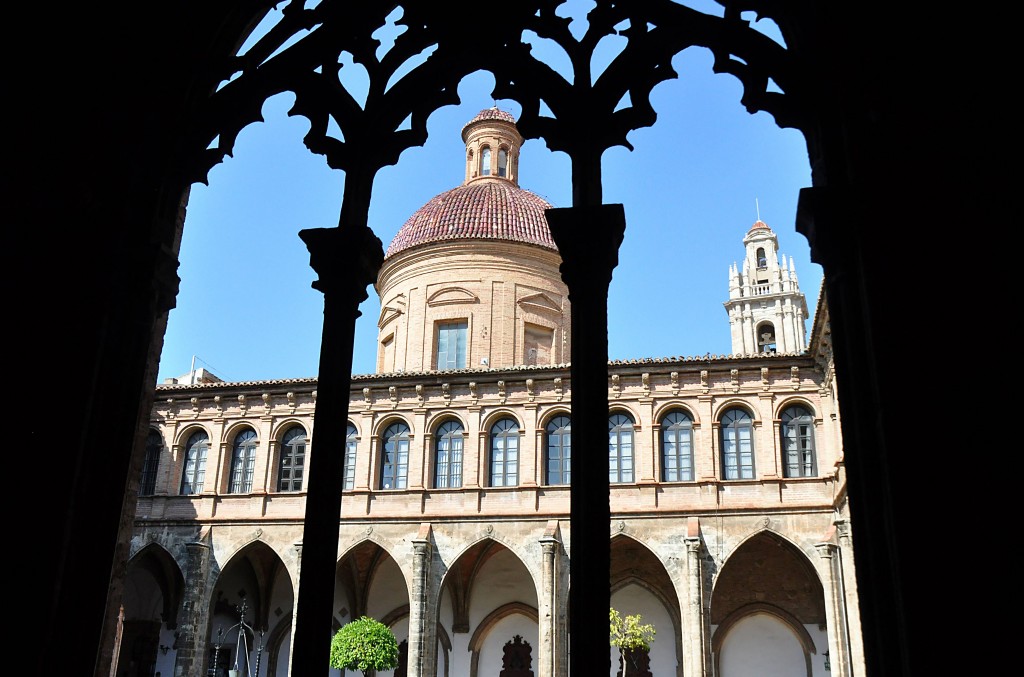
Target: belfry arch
195 44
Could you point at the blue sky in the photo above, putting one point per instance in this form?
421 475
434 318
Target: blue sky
691 189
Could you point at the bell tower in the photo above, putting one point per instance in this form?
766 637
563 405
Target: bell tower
767 311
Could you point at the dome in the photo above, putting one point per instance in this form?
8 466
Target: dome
493 113
489 205
490 210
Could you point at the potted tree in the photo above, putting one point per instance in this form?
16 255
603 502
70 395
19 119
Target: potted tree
631 637
364 644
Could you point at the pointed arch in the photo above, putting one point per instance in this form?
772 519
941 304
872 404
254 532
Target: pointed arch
634 563
476 641
463 573
767 573
357 569
253 573
156 562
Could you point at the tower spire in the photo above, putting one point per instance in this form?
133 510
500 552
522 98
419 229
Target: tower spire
765 307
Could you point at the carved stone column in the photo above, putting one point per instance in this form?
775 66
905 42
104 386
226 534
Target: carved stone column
295 616
551 659
422 611
835 614
588 240
847 570
695 648
195 612
347 261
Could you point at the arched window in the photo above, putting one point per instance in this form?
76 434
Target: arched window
737 445
766 337
448 455
558 451
762 260
394 461
293 460
505 453
798 442
485 161
194 472
620 448
147 487
676 447
243 462
502 162
349 471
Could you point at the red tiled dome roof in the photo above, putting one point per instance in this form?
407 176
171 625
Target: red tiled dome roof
759 225
490 210
491 114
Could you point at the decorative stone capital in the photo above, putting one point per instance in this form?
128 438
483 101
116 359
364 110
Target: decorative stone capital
588 240
346 259
825 550
549 545
421 548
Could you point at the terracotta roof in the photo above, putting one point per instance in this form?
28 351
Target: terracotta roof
491 114
759 225
490 210
169 389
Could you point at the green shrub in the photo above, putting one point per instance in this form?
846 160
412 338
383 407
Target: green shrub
364 644
628 634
